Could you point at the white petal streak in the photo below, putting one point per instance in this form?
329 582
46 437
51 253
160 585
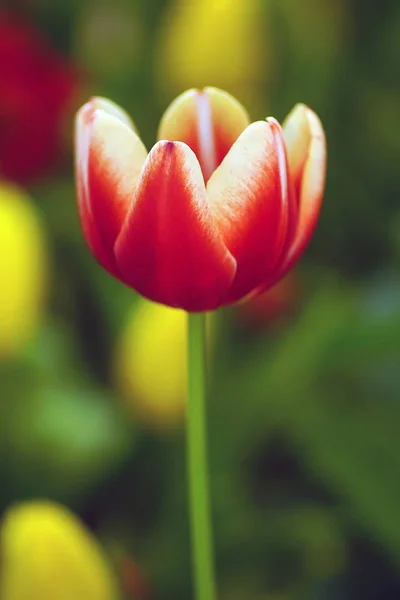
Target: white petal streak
206 135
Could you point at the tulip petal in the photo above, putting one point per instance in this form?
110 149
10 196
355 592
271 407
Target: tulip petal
169 249
112 108
249 201
116 158
104 256
304 127
110 157
209 121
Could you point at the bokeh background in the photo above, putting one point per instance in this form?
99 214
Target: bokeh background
304 398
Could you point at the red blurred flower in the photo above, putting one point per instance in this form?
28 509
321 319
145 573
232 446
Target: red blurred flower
37 87
207 220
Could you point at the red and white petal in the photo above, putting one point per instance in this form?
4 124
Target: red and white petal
312 178
103 254
110 157
169 249
249 201
113 109
209 121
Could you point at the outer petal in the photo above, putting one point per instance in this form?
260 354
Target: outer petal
306 145
169 249
249 200
209 121
112 109
90 231
109 158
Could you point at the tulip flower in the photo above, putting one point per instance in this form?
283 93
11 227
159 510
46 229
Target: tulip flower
23 269
48 554
218 210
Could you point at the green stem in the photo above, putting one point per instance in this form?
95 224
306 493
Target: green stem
202 548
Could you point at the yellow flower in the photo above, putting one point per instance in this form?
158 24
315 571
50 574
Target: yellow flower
47 554
22 269
223 43
150 364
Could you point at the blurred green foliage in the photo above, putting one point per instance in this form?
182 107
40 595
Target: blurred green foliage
304 414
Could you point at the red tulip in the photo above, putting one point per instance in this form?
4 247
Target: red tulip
219 212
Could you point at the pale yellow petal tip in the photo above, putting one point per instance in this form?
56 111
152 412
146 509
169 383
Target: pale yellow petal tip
273 124
186 108
110 107
229 99
302 116
178 106
297 116
98 105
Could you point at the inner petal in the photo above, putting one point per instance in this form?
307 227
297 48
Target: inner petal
311 188
296 132
209 121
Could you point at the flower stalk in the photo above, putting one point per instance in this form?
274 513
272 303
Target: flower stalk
200 518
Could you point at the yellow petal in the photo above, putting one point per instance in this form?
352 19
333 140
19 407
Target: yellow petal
150 364
23 269
47 554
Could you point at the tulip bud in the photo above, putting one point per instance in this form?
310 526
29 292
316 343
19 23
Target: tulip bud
150 364
47 554
220 42
23 267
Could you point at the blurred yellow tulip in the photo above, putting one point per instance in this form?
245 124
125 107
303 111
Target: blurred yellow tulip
23 267
150 364
223 43
47 554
